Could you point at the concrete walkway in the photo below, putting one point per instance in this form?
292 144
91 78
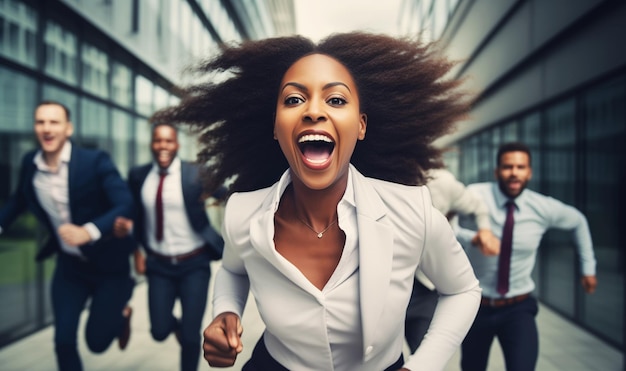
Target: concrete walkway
563 346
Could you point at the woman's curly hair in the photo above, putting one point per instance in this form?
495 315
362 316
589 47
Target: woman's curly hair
402 88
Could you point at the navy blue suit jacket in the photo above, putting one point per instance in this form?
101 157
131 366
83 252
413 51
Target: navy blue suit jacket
97 194
194 206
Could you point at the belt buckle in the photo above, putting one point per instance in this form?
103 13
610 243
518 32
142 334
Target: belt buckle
493 302
174 260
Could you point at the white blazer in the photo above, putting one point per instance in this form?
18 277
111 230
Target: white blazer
398 229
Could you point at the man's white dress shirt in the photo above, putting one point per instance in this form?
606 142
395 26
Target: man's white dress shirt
179 237
52 190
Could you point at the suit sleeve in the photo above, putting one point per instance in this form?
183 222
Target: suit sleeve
117 193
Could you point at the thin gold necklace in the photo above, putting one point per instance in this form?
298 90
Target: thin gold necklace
319 234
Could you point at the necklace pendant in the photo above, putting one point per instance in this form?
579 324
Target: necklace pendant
319 235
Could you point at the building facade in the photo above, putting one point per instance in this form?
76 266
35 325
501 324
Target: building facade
113 63
551 74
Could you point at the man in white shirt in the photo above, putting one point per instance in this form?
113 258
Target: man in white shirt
76 194
174 230
521 217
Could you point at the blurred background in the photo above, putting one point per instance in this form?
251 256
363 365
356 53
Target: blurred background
550 73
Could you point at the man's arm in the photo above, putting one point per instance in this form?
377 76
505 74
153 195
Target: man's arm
116 191
569 218
119 198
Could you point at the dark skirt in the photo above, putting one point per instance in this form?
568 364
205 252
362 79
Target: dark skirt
261 360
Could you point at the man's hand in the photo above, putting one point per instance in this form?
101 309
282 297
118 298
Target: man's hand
589 284
488 244
222 340
73 235
140 262
122 227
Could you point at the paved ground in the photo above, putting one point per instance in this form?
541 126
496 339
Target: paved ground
563 346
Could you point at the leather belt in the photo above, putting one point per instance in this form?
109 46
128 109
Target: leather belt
175 259
495 303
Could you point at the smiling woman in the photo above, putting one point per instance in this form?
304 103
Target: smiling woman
327 146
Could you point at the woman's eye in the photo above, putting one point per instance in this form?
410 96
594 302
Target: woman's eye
336 101
293 100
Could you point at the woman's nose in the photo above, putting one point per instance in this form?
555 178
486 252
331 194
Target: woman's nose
314 112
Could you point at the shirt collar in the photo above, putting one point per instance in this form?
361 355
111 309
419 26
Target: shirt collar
285 180
173 168
66 154
501 198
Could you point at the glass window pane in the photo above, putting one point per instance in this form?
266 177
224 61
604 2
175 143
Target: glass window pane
469 170
16 101
558 256
61 53
142 142
121 84
93 125
143 95
485 156
509 132
161 98
121 125
95 65
605 128
18 26
19 283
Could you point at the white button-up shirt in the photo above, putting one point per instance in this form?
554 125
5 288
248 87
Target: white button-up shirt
52 190
179 237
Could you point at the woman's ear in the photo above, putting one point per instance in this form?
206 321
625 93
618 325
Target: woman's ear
362 126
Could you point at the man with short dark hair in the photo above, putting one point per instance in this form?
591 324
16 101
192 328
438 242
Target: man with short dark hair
173 227
520 217
76 194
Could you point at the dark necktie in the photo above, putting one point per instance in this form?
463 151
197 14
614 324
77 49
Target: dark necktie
504 262
159 206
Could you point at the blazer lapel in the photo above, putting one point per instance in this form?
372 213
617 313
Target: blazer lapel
375 255
73 172
184 176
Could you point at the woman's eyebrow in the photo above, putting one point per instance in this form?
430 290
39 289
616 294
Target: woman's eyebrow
299 86
329 85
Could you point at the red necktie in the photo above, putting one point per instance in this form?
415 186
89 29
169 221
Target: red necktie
504 262
159 206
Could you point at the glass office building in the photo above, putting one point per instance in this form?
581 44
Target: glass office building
553 75
113 63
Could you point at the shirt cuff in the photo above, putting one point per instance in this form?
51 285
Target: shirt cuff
93 231
589 268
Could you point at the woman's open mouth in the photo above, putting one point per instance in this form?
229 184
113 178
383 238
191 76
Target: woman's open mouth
316 150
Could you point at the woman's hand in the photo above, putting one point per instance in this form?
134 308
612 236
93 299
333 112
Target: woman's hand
222 340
